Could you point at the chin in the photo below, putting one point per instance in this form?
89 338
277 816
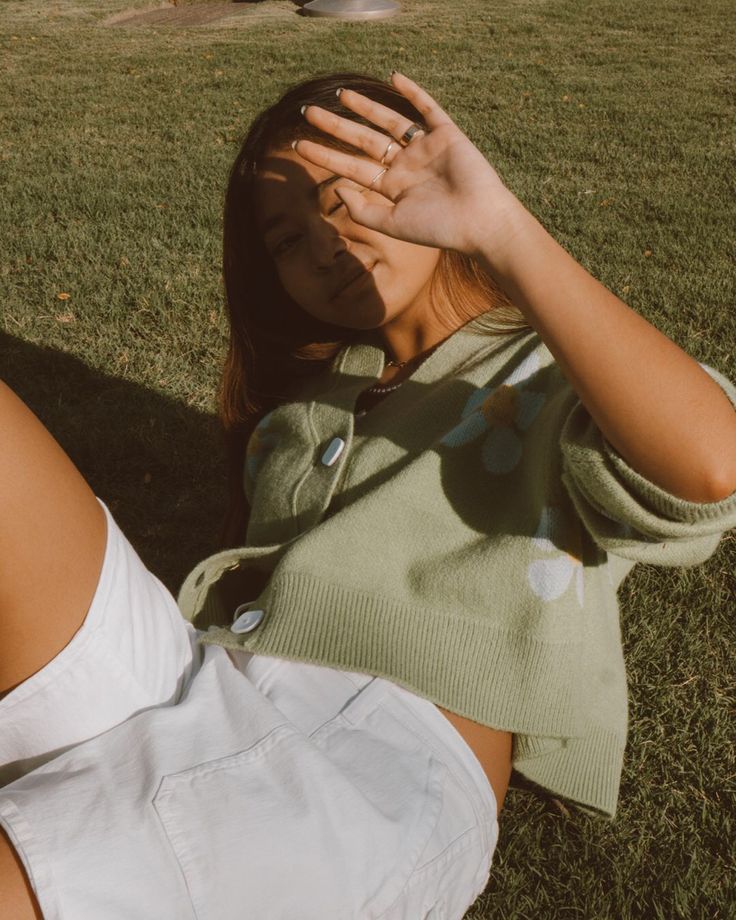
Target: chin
366 312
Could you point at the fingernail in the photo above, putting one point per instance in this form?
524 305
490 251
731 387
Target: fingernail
293 144
303 109
337 92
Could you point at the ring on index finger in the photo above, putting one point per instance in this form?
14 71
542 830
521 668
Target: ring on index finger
378 176
411 132
387 151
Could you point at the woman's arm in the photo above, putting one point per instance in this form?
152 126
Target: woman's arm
651 401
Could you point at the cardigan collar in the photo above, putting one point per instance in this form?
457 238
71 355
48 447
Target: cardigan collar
366 357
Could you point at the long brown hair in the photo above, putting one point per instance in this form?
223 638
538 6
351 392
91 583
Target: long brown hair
275 345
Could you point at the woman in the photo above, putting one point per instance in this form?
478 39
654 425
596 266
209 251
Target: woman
437 520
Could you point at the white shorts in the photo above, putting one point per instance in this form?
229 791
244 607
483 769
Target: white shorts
147 776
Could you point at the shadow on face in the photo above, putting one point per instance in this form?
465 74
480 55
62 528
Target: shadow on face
334 268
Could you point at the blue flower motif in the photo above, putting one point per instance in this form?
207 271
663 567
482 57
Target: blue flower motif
501 415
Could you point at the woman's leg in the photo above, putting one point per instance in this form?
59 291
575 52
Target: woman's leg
52 543
19 901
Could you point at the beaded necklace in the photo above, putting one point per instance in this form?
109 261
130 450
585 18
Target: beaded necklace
389 387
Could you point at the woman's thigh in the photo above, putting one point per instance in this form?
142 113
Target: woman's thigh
52 539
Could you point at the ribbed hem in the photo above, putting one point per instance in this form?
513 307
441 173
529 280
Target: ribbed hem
585 770
513 682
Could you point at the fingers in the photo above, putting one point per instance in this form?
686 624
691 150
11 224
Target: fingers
365 172
433 115
371 142
392 124
376 148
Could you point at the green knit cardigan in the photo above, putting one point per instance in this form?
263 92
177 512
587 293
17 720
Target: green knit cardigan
465 539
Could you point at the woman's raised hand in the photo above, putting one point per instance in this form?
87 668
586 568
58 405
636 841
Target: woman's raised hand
438 189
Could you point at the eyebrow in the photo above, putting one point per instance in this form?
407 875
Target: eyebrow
280 218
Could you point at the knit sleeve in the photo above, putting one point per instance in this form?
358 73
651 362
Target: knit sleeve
628 515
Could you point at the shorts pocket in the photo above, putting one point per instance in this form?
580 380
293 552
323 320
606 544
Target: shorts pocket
445 860
285 830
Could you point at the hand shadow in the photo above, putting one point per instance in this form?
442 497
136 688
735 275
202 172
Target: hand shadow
157 464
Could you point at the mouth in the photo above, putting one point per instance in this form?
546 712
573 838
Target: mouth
352 280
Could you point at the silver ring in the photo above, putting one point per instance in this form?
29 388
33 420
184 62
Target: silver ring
378 176
387 151
408 136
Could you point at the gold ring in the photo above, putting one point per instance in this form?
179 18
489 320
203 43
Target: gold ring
387 151
378 176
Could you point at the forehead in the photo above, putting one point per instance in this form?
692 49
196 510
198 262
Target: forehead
285 182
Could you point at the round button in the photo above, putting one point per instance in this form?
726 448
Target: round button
246 621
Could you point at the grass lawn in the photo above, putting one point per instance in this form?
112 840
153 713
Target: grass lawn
612 121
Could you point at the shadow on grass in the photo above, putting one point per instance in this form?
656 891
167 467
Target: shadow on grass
156 463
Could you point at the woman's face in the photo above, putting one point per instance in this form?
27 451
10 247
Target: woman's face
335 269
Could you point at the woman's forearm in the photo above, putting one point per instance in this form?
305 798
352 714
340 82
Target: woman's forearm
653 402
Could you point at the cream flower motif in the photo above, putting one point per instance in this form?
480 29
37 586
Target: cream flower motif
501 415
260 443
550 577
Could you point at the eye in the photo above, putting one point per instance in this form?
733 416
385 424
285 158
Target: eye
282 247
335 206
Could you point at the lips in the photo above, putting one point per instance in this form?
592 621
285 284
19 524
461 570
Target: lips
350 278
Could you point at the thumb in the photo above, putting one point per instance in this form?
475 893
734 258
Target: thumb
369 214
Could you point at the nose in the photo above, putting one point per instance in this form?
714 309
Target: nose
326 242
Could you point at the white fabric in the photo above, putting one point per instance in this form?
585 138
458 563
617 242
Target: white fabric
268 789
112 668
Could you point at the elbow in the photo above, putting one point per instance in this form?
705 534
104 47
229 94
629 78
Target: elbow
721 486
709 485
718 483
717 467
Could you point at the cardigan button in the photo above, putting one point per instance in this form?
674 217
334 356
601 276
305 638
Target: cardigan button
334 449
246 620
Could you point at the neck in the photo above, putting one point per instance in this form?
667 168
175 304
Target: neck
418 328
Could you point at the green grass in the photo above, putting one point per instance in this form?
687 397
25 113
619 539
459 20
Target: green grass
612 121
